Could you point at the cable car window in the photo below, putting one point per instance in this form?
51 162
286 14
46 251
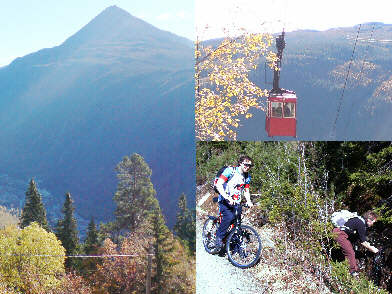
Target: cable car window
276 109
289 109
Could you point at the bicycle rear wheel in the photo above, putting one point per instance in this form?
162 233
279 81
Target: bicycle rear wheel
243 247
209 234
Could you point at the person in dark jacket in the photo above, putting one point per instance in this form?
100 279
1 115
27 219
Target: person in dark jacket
355 228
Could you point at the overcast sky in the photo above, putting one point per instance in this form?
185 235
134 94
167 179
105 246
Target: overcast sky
27 26
273 15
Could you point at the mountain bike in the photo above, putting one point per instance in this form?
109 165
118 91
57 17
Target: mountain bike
242 242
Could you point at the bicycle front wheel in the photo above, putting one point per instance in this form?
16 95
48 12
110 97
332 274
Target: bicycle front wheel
209 234
243 247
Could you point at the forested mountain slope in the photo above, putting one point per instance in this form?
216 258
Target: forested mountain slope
315 65
69 114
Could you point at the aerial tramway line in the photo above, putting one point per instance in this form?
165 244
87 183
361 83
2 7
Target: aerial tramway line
281 114
357 39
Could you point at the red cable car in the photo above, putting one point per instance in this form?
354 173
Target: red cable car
281 115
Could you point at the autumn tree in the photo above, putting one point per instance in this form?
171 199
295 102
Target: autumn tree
135 195
185 226
34 210
4 289
123 274
66 230
72 283
182 275
172 269
31 259
224 92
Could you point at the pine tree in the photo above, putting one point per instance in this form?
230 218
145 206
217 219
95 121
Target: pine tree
163 250
34 210
91 246
91 243
185 227
135 195
67 231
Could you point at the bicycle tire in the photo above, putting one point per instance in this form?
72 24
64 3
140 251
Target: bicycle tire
209 234
243 247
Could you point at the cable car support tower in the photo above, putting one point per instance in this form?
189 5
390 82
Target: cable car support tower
281 115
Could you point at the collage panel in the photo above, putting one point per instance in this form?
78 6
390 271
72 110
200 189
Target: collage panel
292 124
292 71
293 217
235 146
97 149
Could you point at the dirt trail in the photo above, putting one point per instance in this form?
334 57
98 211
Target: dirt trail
216 274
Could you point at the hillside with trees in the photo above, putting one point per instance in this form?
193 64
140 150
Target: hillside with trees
68 113
296 186
134 253
341 76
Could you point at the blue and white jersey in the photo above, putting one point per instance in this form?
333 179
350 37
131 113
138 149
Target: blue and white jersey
235 183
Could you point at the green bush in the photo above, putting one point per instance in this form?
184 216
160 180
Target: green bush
343 282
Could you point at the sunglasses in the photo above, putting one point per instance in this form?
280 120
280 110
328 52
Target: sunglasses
248 164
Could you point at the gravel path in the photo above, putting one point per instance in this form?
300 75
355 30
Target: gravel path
216 274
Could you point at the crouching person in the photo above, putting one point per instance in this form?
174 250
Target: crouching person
350 227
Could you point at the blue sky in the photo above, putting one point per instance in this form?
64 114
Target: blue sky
30 25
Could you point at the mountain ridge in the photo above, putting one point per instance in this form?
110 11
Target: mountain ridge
71 113
315 65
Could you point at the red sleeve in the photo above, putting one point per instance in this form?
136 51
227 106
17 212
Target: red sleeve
247 186
223 178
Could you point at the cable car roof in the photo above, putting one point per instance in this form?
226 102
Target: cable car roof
282 94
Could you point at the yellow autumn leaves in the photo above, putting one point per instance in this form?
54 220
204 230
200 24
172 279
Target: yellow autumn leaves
31 260
224 93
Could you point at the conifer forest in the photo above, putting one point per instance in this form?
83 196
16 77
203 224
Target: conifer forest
296 186
134 253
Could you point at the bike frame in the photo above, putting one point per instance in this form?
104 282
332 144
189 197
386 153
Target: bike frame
235 239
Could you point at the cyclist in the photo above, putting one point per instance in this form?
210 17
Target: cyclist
231 184
355 228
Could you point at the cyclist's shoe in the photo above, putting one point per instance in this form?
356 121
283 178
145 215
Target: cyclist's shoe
218 244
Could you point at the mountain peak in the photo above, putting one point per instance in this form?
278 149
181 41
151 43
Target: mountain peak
113 11
115 36
112 24
118 30
114 7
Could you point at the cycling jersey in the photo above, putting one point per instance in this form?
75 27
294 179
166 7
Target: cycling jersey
235 183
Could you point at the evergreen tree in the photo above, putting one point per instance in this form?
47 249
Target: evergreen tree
135 195
91 246
67 231
91 243
34 210
185 227
163 250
